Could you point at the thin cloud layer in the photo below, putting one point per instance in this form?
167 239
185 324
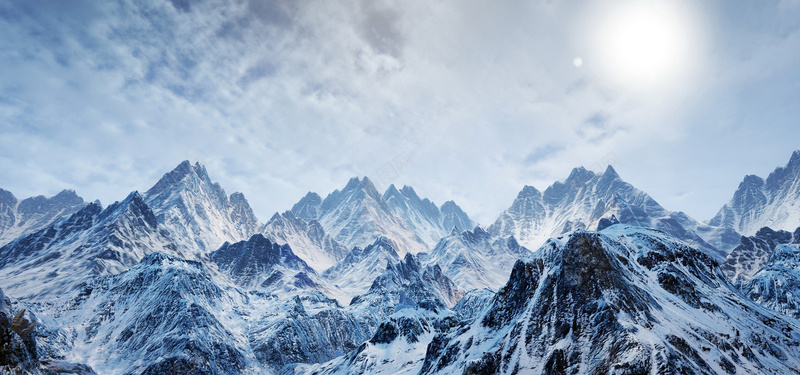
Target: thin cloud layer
463 100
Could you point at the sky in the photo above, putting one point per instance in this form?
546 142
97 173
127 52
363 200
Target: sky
464 100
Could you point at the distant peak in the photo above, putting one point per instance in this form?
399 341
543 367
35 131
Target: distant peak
610 172
409 192
275 216
178 174
752 180
795 159
528 192
580 175
391 191
353 183
312 197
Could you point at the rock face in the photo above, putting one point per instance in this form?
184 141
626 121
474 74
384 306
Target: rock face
165 315
92 241
17 344
758 203
476 259
584 199
406 284
753 253
18 218
777 283
259 263
629 301
198 212
307 238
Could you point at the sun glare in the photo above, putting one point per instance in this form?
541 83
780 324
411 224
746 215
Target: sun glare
645 45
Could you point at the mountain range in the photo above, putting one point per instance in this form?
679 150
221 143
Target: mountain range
589 276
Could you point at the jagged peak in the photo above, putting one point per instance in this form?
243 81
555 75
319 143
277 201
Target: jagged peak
184 170
579 175
355 185
7 197
276 216
409 192
611 172
528 192
450 206
391 191
383 241
795 159
751 180
310 198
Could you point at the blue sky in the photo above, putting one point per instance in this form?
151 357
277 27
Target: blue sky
464 100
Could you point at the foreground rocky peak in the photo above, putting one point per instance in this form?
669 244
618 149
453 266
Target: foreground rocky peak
626 300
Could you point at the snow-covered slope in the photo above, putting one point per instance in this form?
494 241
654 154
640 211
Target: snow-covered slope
406 284
777 284
198 212
582 200
629 300
757 203
397 348
354 274
753 252
307 238
476 259
165 315
92 241
358 214
18 218
429 222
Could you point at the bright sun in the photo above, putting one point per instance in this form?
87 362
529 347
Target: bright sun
645 45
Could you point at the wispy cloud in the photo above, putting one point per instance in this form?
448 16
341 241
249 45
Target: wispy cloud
279 97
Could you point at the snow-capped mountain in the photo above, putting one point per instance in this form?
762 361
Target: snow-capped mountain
354 274
629 301
476 259
92 241
260 264
429 222
406 284
140 288
757 203
777 283
165 315
357 215
198 212
307 238
18 218
754 252
582 200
